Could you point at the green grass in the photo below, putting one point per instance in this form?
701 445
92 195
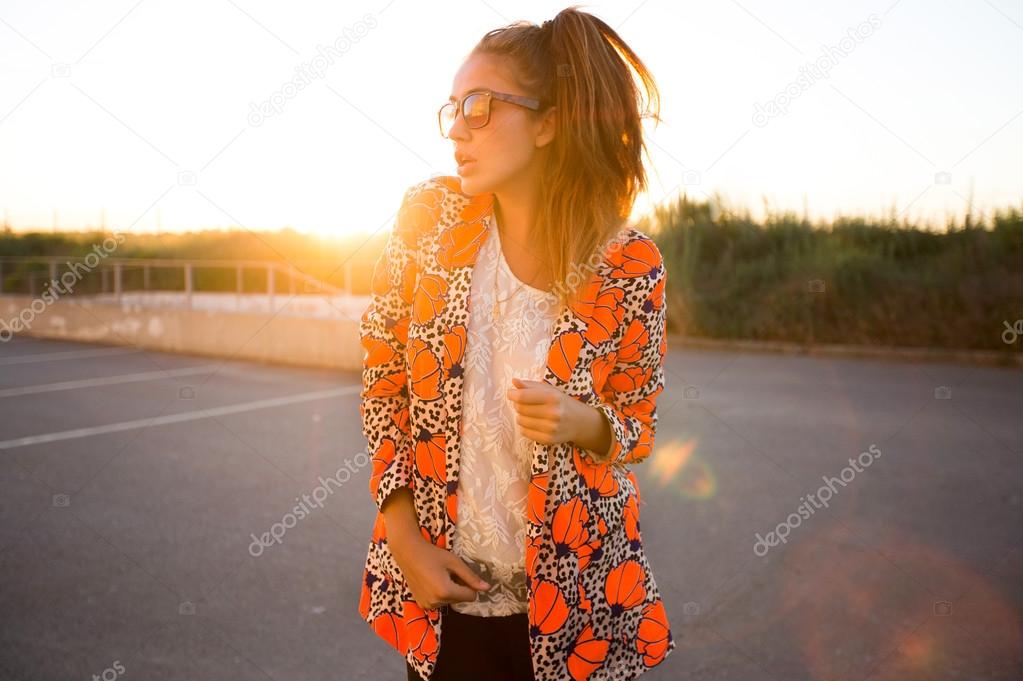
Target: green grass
883 283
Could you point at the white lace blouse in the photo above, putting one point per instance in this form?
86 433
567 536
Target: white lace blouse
490 532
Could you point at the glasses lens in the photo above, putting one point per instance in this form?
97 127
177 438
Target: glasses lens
476 110
446 118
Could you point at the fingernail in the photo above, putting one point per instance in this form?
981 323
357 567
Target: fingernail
484 585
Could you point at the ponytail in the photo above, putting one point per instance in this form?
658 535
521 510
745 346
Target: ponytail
579 64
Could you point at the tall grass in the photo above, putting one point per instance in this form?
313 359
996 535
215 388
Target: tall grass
852 281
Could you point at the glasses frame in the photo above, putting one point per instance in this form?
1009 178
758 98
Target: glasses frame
519 100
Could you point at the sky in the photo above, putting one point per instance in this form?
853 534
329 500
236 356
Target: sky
144 115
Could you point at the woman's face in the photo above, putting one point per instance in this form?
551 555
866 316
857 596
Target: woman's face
510 147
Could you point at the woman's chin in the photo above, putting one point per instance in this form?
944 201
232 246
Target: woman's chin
471 186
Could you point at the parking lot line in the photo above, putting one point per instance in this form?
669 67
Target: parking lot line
106 380
68 354
178 418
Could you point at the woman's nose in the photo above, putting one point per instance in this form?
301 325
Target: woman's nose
459 130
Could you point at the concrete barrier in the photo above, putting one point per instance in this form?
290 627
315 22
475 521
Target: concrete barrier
312 341
278 338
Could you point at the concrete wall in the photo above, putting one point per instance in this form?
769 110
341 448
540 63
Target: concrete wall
334 343
280 338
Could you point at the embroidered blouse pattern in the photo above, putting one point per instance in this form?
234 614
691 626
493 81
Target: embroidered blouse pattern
495 457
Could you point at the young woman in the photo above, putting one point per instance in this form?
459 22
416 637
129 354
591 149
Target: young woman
514 350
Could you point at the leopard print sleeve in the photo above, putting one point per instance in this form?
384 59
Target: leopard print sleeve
638 375
383 333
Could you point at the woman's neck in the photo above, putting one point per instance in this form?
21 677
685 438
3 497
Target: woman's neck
516 207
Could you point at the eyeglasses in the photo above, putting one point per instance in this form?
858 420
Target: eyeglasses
475 107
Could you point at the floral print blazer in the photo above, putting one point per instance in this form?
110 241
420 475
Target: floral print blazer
595 611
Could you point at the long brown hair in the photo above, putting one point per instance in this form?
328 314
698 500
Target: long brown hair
595 169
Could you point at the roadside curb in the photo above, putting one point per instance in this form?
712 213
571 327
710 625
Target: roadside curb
1011 360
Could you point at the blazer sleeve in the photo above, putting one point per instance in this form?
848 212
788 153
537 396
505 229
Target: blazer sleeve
383 333
637 378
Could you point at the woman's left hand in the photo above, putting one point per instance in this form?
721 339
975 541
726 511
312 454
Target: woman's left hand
545 413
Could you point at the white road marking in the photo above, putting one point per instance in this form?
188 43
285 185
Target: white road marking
69 354
178 418
105 380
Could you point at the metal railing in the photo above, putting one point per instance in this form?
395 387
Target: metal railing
33 275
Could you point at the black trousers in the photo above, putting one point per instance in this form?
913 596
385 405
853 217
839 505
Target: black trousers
473 647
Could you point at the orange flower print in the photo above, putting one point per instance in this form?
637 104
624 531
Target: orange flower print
601 369
633 342
623 587
425 370
418 213
458 245
548 611
653 635
600 479
568 528
606 317
391 628
637 259
422 639
430 456
587 654
630 517
430 298
536 497
454 351
629 379
383 457
564 353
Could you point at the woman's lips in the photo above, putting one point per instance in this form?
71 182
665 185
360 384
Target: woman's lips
465 165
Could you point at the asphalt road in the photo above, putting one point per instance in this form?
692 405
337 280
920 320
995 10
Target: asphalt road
132 483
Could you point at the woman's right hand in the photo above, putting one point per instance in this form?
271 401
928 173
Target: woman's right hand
435 576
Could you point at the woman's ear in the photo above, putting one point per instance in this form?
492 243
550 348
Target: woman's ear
548 126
